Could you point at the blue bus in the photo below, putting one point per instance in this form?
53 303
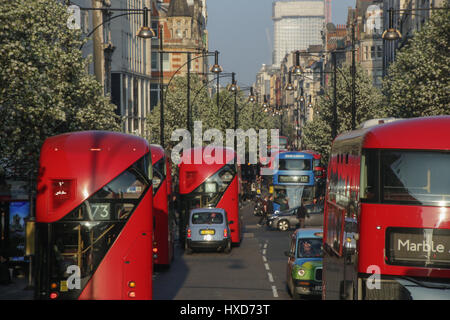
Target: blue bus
294 179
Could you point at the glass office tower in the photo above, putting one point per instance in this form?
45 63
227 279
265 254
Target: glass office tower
297 25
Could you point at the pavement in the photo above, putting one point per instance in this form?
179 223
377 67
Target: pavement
16 290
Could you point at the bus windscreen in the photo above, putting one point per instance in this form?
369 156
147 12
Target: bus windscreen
289 197
294 164
407 177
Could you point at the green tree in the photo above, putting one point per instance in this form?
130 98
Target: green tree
44 85
418 82
370 103
175 108
205 109
252 115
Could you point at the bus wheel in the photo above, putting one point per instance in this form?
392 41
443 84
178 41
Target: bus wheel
227 249
187 249
347 291
283 225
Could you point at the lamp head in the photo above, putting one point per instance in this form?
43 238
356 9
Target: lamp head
233 88
216 68
391 34
289 87
146 33
297 70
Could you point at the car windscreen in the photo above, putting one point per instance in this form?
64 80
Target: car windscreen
309 248
207 218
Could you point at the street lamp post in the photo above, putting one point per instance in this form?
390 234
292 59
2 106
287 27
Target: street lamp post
353 80
215 69
335 115
351 87
161 87
300 101
233 88
188 92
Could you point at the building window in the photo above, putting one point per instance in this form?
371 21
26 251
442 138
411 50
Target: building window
154 95
155 61
379 51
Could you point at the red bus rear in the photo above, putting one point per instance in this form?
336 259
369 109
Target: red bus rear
283 142
163 214
94 217
210 184
387 215
319 169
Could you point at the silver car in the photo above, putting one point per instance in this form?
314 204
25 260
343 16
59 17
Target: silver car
208 228
285 220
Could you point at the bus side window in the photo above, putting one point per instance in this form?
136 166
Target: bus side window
369 175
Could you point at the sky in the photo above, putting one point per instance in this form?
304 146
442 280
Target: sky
242 31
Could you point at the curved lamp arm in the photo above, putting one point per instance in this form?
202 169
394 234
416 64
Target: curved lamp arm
223 75
144 11
207 54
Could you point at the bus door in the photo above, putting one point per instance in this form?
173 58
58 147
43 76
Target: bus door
335 227
339 238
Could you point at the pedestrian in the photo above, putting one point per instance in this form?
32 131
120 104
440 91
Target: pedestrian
5 278
302 213
284 205
267 210
253 190
264 210
270 206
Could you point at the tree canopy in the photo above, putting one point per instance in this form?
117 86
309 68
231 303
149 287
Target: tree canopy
204 108
45 88
370 103
418 81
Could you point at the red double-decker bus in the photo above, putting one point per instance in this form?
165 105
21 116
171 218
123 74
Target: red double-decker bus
283 142
163 213
387 213
319 169
94 217
210 178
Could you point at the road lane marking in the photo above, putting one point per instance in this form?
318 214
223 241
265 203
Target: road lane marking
267 266
275 292
265 246
264 252
264 258
270 276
